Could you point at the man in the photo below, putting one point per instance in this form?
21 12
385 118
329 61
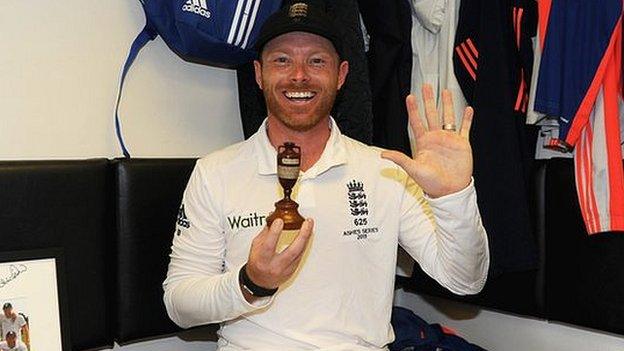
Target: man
12 321
11 343
332 288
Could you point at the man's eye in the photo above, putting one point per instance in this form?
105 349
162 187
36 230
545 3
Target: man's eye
317 61
281 60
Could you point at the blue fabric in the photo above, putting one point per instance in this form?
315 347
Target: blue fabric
212 32
414 334
577 36
143 38
201 35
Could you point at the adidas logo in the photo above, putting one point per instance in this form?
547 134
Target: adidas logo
198 7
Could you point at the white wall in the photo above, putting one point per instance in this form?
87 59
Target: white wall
59 70
59 67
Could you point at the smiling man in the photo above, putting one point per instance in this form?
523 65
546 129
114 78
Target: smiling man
300 99
332 288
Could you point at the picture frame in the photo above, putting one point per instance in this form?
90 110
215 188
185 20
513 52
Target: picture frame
34 300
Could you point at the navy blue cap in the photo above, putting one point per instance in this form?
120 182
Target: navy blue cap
308 16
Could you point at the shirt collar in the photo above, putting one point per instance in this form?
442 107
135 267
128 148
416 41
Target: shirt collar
333 155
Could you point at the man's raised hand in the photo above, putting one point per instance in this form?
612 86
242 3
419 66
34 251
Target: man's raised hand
442 162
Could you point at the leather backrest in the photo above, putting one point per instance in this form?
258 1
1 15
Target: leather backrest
66 204
149 193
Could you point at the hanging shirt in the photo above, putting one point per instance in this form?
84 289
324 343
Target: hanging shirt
388 24
433 35
580 81
533 116
491 67
548 143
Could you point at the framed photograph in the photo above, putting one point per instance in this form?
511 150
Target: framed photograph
33 300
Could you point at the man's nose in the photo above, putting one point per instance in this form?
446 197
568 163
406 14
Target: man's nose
300 73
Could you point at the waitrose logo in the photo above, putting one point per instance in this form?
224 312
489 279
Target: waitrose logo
251 220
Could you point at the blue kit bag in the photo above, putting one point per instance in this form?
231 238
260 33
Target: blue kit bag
218 33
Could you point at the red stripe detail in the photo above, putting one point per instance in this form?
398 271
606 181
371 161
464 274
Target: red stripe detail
448 331
525 103
515 19
468 55
582 168
473 49
612 89
594 215
520 91
579 179
466 65
582 114
519 34
543 14
516 24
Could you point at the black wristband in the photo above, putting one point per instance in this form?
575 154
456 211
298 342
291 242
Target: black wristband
250 286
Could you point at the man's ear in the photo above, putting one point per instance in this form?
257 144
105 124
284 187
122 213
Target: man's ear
258 72
343 69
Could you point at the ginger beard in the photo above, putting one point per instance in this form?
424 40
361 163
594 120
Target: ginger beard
300 118
300 76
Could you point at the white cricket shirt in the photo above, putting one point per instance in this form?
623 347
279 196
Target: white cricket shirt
341 296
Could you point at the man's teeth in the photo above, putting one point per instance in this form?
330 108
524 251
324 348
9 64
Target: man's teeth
300 95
